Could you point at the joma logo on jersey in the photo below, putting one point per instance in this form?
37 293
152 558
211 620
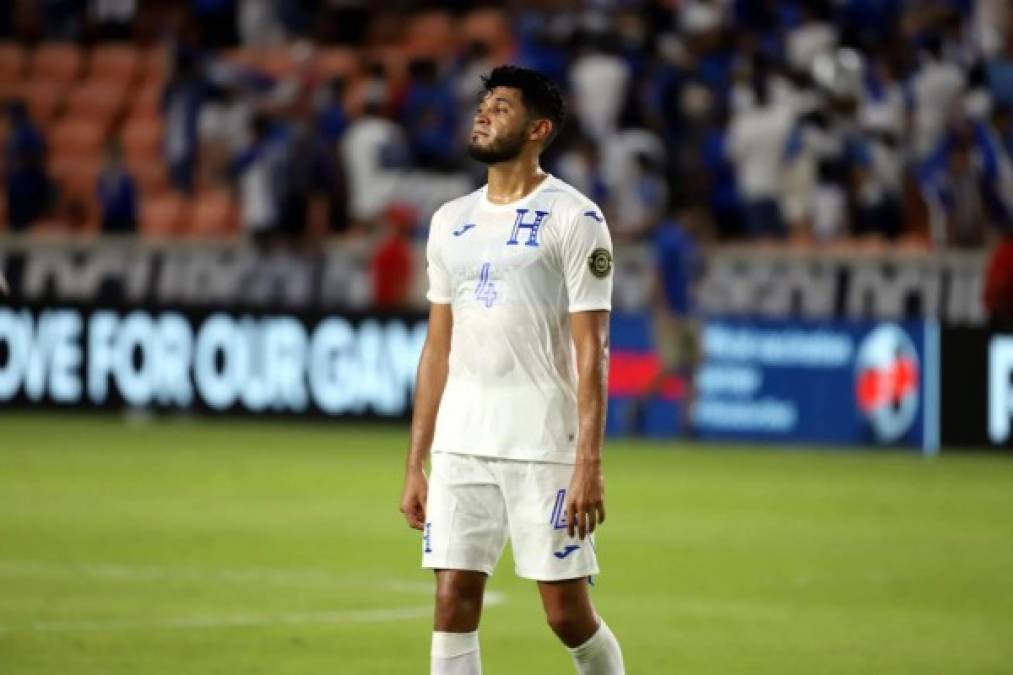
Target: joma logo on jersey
532 227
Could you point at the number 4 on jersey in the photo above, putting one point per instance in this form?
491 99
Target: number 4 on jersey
486 290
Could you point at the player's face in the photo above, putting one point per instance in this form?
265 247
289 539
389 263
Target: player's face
500 128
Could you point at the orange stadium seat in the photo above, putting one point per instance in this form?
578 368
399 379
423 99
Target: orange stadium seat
77 138
156 64
162 216
56 63
99 102
213 215
44 101
147 101
116 63
150 176
142 139
77 178
12 62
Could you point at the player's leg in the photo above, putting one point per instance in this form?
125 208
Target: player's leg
535 495
459 595
569 612
455 649
463 538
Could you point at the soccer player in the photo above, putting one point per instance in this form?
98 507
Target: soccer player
511 391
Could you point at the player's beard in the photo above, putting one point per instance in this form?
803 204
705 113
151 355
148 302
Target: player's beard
501 150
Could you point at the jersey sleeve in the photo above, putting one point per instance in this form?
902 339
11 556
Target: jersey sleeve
439 278
587 261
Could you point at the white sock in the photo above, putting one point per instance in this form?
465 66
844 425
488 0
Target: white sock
600 655
455 654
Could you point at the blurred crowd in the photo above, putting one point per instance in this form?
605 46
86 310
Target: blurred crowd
803 121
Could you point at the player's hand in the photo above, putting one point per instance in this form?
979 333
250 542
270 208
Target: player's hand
413 498
585 500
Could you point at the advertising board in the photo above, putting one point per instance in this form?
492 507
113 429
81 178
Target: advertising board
832 382
223 361
977 387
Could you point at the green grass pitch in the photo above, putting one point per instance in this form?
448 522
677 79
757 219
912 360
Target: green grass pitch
275 548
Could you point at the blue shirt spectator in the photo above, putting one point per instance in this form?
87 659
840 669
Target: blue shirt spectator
430 116
28 187
674 256
117 195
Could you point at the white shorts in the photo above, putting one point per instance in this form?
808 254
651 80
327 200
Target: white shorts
475 503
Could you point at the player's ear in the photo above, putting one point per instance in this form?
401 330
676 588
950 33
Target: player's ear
540 130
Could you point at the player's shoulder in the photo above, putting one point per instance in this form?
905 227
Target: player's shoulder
451 211
573 202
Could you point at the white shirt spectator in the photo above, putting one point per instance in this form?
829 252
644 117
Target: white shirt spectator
258 190
366 148
808 41
756 144
121 11
599 89
935 90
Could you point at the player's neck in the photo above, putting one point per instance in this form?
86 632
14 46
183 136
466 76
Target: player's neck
510 181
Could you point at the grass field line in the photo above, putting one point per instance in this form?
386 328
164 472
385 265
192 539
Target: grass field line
250 620
281 576
114 572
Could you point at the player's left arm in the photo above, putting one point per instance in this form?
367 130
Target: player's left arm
586 255
586 496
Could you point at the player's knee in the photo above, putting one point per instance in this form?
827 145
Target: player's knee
565 622
457 606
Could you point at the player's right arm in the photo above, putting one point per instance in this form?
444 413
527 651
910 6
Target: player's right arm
430 380
429 384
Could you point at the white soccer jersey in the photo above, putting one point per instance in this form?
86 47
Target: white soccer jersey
512 274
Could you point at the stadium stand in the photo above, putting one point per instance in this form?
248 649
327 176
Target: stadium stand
817 123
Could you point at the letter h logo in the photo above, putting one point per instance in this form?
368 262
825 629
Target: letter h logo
531 227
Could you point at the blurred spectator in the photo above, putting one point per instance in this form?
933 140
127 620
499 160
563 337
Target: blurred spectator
29 191
331 123
580 166
968 183
259 25
217 22
114 19
1000 73
117 194
372 148
757 142
813 36
62 19
392 264
880 186
674 327
184 94
600 80
429 115
259 170
223 128
990 26
936 89
641 199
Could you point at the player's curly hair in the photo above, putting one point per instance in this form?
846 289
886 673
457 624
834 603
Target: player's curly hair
541 96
